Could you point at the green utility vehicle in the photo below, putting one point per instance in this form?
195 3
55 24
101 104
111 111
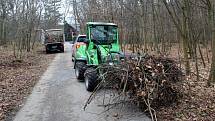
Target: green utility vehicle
102 46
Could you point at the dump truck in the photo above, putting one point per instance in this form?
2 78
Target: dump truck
54 40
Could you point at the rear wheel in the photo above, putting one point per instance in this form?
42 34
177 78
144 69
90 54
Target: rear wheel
62 50
80 68
47 51
91 79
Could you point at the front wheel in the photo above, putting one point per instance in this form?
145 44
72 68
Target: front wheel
62 50
91 79
80 68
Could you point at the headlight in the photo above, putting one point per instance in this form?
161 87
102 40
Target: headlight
111 63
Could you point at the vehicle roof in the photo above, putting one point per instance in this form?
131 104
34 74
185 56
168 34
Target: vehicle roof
54 30
101 23
81 35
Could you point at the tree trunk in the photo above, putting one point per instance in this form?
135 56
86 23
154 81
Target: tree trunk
211 78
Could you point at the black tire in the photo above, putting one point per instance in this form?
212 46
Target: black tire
91 79
73 58
62 50
80 68
47 51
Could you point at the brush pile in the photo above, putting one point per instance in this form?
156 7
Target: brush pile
149 82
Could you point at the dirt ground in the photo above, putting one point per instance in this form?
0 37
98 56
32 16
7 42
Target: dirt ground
197 103
17 78
198 99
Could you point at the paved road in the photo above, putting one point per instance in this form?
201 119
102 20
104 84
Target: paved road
58 96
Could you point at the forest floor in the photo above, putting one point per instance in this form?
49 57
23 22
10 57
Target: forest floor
197 103
198 99
17 78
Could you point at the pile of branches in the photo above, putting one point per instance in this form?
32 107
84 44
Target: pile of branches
149 81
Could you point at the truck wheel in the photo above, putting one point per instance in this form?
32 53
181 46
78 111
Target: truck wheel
62 50
73 58
80 68
47 51
91 77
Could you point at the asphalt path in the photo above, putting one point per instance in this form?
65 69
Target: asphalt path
59 96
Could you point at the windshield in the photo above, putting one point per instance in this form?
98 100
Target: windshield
81 39
104 34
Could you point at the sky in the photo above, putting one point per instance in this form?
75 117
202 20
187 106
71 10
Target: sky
69 15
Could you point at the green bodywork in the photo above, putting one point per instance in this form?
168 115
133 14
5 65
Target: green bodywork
80 53
102 44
